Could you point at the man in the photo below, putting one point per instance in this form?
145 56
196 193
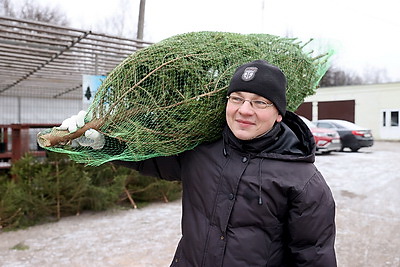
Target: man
254 197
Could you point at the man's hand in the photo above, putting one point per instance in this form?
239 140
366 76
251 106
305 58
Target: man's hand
91 138
74 122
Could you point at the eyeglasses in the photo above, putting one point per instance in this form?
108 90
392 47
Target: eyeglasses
257 104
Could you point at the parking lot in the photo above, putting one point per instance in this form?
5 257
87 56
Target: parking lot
365 185
366 188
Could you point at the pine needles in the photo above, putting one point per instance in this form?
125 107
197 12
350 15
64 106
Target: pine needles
170 97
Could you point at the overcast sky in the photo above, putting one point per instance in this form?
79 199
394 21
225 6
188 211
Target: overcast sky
365 34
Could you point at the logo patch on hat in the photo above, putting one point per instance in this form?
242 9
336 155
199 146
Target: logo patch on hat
249 73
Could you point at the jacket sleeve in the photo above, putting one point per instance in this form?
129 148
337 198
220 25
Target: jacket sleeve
167 168
311 225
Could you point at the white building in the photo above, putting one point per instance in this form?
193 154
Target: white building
374 106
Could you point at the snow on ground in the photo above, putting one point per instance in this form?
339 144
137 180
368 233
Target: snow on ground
141 237
365 186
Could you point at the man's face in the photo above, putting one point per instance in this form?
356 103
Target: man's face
247 122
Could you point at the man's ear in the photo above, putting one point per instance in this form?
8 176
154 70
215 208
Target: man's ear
279 118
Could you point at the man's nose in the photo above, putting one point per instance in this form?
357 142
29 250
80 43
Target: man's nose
246 108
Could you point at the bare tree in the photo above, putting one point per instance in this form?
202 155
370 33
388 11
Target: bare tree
33 11
337 77
122 22
375 75
7 9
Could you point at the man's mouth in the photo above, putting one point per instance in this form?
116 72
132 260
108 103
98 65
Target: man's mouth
245 122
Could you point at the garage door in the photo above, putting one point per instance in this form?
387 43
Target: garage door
342 110
305 110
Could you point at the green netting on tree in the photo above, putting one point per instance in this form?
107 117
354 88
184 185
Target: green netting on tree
170 96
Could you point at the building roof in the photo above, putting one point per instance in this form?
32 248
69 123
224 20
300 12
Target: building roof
44 60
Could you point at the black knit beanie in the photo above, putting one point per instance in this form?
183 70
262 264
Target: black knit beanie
261 78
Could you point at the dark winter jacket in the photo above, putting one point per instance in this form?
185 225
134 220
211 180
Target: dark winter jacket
252 203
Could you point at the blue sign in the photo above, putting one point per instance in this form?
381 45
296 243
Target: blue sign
90 85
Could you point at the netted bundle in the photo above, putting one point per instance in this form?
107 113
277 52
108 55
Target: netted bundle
170 96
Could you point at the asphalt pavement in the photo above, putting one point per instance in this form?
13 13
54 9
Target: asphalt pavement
366 187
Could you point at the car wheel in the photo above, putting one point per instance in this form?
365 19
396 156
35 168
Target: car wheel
354 149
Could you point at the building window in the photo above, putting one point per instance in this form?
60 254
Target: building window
384 119
394 118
